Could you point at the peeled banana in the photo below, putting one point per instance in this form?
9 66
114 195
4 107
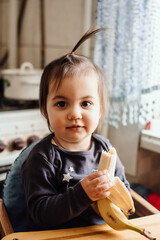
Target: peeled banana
115 218
113 208
119 194
108 161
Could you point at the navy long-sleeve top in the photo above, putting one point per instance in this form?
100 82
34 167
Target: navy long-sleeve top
51 176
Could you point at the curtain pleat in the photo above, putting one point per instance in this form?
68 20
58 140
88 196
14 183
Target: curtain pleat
129 54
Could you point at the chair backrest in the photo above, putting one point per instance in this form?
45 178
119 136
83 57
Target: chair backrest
5 224
13 193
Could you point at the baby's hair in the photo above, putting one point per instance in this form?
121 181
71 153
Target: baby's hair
68 66
86 36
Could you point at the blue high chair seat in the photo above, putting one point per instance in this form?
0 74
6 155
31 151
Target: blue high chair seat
13 193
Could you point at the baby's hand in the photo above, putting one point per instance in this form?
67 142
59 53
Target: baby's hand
97 185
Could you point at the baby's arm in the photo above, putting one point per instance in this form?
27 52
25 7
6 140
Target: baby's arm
97 185
49 205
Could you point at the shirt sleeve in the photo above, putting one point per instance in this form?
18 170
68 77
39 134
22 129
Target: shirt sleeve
47 206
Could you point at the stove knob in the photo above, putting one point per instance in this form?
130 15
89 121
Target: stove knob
32 139
18 144
2 146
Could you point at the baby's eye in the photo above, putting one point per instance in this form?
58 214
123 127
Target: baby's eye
61 104
86 104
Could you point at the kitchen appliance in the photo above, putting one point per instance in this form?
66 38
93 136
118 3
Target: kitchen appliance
23 83
20 120
21 123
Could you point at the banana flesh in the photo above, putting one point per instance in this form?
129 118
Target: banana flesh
119 194
108 161
115 218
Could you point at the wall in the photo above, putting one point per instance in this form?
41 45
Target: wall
64 23
126 139
148 169
141 166
3 27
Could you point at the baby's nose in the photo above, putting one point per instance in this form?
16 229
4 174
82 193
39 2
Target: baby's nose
74 113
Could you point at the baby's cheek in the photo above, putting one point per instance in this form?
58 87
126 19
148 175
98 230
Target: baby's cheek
59 123
56 124
93 120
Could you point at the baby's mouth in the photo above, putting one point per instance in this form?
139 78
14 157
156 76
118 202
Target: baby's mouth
75 127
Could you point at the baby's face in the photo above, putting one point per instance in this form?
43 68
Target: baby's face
74 110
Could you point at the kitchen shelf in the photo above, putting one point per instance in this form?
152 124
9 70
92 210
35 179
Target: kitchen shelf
150 140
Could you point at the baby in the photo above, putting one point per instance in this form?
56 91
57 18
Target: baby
60 175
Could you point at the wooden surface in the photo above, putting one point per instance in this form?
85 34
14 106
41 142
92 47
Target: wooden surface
143 207
5 226
100 232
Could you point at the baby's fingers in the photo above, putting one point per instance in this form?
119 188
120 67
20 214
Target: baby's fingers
104 187
100 180
96 186
97 174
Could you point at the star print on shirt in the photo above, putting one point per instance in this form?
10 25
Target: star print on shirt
94 170
71 169
67 177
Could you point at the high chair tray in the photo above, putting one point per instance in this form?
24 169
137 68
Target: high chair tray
100 232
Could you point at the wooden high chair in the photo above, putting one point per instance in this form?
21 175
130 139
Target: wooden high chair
143 208
5 225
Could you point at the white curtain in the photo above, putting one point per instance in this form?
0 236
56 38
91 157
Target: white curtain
129 54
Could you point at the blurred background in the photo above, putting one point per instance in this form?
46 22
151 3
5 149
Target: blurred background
33 33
